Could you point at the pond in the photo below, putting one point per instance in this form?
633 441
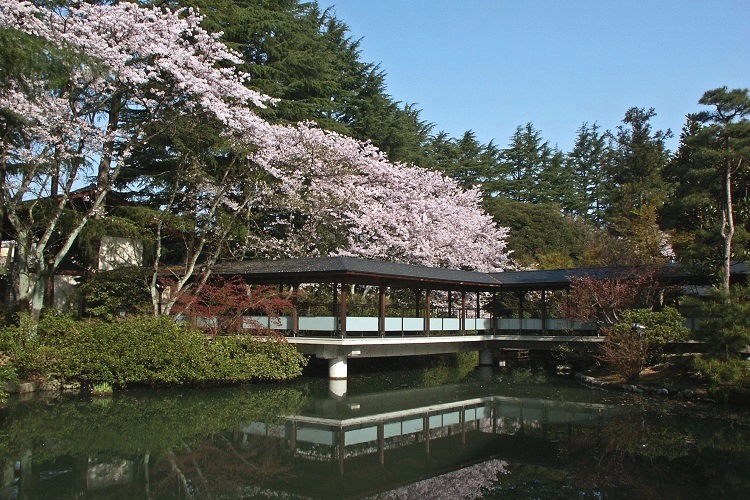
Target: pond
442 432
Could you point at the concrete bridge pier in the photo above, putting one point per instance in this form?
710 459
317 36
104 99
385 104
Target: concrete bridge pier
337 368
485 357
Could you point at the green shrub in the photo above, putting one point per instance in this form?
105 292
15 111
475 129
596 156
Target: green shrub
628 350
727 332
732 372
660 327
106 293
147 351
244 357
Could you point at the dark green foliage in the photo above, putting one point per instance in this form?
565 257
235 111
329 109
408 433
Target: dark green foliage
306 57
540 234
724 375
712 156
108 293
120 222
726 329
589 166
641 155
727 324
637 189
523 164
7 370
465 159
146 351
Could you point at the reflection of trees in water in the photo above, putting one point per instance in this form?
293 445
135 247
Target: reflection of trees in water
451 368
220 465
133 422
149 435
650 453
639 452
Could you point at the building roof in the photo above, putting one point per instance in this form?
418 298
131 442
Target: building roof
553 279
356 271
372 272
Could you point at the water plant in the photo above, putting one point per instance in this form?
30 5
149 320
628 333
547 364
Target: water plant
101 389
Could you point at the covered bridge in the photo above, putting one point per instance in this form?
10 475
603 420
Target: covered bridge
467 318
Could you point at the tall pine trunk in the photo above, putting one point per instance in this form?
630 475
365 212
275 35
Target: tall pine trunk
727 226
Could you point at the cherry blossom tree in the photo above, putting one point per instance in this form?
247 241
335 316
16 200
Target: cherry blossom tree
123 73
342 196
126 77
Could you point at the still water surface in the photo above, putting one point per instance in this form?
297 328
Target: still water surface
438 433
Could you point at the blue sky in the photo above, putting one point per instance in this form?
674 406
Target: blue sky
492 65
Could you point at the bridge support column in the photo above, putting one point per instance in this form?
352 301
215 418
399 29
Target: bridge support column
337 368
381 312
485 357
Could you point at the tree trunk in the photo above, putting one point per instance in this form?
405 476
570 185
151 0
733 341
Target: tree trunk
727 226
36 299
104 174
20 274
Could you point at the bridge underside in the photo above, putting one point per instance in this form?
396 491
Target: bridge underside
329 348
339 350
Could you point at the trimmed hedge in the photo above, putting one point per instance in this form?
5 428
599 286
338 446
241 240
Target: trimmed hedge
146 351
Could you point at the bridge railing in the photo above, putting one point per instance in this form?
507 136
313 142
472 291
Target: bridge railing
327 325
369 325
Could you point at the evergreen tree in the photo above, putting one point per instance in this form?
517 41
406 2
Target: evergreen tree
588 165
543 237
521 164
466 159
692 212
637 189
728 131
441 152
307 58
710 210
555 182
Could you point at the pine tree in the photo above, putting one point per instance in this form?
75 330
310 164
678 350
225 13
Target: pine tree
588 165
710 210
637 188
522 163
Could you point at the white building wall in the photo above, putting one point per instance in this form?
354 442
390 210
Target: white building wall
115 252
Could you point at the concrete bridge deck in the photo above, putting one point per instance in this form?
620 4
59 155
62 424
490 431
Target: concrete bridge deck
338 350
373 347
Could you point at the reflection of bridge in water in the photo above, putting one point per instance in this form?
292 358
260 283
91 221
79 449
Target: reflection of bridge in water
340 444
363 438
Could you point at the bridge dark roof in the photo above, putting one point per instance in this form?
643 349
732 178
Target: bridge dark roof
549 279
356 271
371 272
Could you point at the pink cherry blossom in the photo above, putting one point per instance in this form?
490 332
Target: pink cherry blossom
332 194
